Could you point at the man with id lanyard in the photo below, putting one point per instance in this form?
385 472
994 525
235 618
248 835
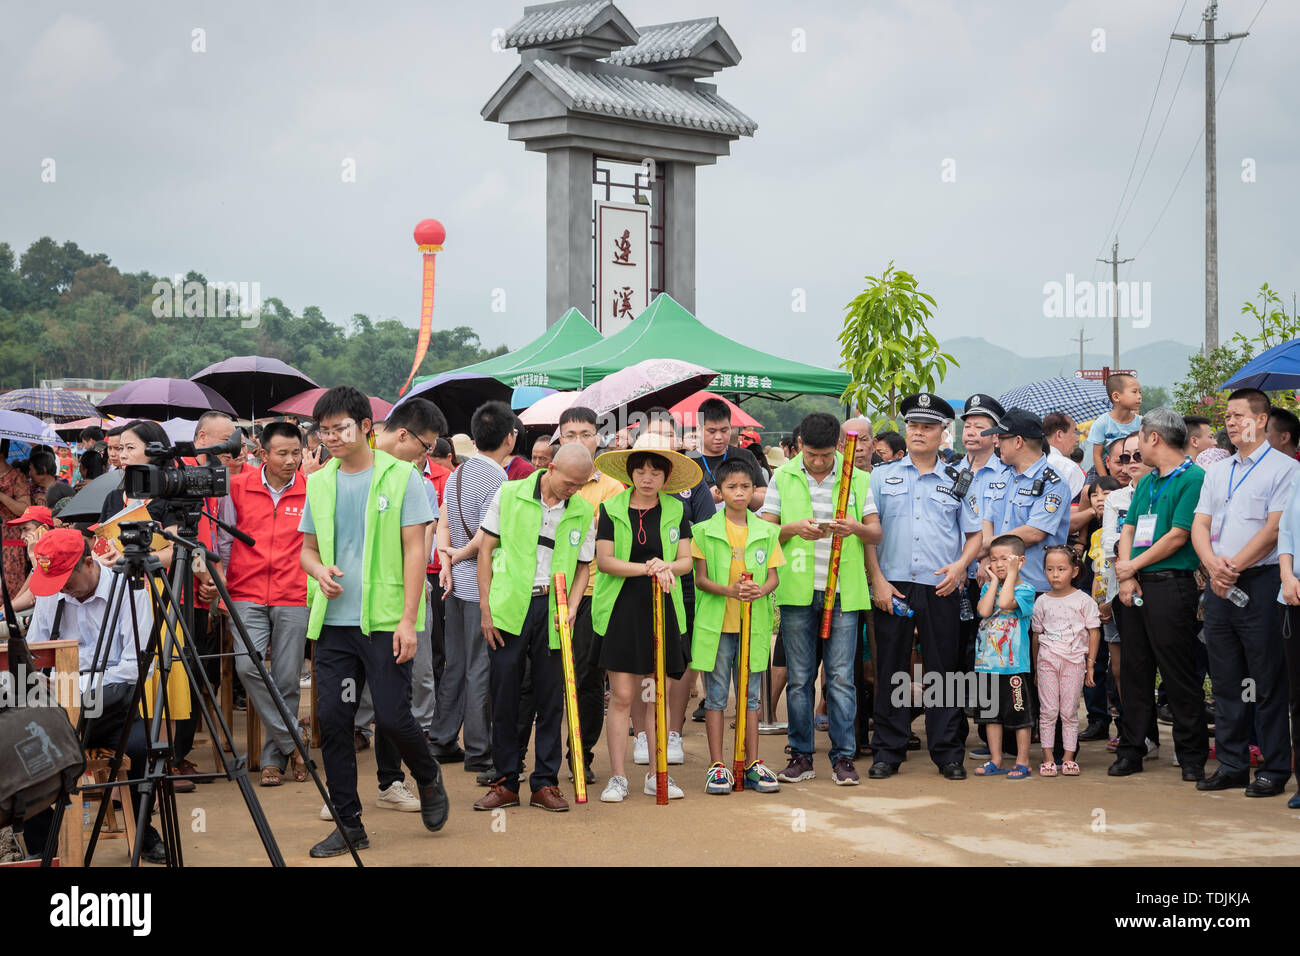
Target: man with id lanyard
1235 535
1156 570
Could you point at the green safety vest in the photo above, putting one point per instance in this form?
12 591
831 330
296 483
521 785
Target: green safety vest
796 576
383 587
514 562
609 585
764 538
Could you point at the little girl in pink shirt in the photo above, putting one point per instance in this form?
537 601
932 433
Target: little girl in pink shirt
1067 627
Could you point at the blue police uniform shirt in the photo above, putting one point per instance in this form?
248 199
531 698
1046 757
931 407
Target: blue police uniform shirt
989 484
924 527
1049 512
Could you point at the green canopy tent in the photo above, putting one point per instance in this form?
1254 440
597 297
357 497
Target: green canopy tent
667 330
571 333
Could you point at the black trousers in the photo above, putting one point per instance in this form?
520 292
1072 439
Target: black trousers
591 681
935 621
969 632
1290 621
862 691
1247 662
346 654
437 634
1094 698
505 676
1162 634
102 731
1125 622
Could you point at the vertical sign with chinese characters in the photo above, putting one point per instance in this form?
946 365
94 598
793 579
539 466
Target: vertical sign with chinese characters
622 264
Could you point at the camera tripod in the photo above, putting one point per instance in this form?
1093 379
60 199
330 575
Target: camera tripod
171 641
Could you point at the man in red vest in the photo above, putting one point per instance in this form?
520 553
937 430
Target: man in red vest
269 587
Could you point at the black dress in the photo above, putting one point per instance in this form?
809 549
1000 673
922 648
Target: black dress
628 643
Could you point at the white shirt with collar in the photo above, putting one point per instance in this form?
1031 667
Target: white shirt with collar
1260 485
82 620
1068 470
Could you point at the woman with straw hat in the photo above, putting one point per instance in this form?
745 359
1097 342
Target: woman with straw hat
642 534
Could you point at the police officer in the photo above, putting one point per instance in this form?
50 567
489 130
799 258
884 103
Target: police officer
987 477
1035 505
929 540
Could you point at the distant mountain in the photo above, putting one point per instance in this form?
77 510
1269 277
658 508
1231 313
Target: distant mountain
992 369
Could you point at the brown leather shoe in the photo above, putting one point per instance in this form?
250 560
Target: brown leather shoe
498 796
549 798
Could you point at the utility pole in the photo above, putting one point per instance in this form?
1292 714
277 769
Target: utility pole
1081 340
1114 262
1209 41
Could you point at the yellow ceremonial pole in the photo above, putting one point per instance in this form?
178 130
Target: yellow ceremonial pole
570 690
742 692
661 715
841 511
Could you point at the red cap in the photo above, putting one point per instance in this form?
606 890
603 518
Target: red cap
55 557
38 513
751 435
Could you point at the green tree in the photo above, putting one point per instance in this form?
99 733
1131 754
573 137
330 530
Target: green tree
886 347
1154 396
1275 325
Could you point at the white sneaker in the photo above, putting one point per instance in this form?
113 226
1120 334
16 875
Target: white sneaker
325 812
1153 749
615 790
674 791
675 752
641 750
397 797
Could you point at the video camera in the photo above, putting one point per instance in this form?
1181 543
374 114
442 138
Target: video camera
180 481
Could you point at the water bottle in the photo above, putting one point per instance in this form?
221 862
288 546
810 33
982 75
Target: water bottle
965 611
1237 596
1137 600
900 608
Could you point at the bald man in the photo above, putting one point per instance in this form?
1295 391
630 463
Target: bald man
534 527
862 454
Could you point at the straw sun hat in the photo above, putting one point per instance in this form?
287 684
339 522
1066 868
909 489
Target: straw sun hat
684 474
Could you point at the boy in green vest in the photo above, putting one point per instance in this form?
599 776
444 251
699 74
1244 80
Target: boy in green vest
729 544
534 527
364 553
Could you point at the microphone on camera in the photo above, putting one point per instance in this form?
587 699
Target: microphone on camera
234 446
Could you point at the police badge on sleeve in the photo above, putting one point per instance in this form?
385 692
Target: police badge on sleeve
1051 503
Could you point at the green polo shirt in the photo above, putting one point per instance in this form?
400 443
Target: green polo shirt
1175 507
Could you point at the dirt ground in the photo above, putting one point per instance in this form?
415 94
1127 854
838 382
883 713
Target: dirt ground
915 817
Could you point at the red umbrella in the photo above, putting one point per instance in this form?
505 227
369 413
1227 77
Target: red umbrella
686 410
304 403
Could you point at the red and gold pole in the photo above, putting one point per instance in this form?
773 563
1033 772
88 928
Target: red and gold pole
661 715
742 692
570 690
841 511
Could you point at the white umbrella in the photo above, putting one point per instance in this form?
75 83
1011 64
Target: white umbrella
20 426
179 429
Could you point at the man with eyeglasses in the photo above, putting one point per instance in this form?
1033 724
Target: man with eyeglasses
1156 569
364 550
578 426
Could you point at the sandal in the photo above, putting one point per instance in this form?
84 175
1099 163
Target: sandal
271 777
1018 772
298 767
989 769
1070 768
1047 770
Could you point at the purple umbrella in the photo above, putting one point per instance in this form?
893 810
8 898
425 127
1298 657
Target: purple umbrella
162 398
458 394
253 383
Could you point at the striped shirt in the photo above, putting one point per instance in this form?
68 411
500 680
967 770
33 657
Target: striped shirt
823 509
464 502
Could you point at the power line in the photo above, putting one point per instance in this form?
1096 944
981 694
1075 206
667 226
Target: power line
1145 124
1199 136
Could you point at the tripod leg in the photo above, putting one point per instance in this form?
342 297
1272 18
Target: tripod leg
290 720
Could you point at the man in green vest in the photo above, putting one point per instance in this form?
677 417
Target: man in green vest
364 553
802 498
534 528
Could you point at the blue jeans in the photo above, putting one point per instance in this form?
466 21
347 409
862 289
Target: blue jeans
800 630
726 674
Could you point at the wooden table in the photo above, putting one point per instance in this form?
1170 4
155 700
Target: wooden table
63 657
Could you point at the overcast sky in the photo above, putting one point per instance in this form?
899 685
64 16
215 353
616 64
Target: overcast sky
229 161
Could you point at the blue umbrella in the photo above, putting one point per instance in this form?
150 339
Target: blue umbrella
1270 371
1080 398
525 395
